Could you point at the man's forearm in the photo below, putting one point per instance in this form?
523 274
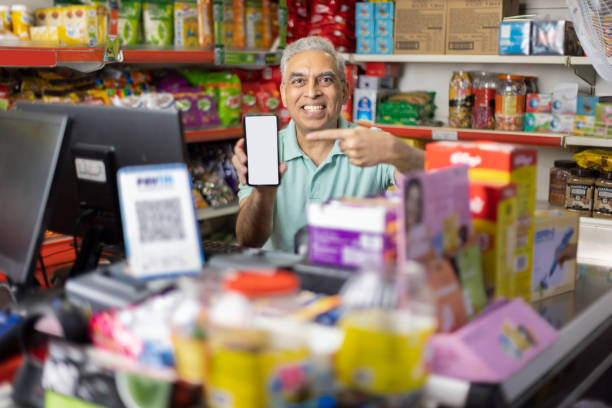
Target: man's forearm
404 157
254 222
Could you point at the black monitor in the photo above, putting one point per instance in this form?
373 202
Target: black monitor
87 205
30 146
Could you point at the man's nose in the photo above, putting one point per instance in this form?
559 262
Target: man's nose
312 88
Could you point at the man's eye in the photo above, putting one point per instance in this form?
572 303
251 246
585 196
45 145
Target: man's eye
326 80
298 82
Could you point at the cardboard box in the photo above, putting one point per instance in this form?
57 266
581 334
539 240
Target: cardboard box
365 45
383 45
493 206
555 243
515 38
472 26
384 9
419 26
537 122
586 105
383 27
335 239
490 161
541 103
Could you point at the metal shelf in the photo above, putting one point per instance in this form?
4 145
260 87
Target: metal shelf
587 141
215 212
470 59
212 134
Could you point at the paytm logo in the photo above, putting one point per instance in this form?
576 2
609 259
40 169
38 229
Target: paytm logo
465 158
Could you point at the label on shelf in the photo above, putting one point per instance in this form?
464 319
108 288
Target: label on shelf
444 134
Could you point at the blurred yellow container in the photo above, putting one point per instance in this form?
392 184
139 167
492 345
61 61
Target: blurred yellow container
49 17
5 19
44 34
80 24
21 19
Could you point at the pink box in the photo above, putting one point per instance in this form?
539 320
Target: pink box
495 345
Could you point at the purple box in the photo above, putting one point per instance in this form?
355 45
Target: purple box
495 345
434 215
336 239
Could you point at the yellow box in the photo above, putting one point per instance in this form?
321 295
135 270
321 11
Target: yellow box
555 243
46 34
80 24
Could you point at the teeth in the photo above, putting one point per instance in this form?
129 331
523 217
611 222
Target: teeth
313 107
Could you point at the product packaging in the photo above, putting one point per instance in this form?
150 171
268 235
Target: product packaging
565 99
555 246
434 216
364 105
541 103
186 23
383 45
495 345
603 120
562 124
335 238
490 161
468 263
383 69
364 28
584 125
537 122
384 10
586 105
129 22
206 38
80 26
383 27
374 82
364 11
554 38
365 44
158 18
450 305
419 26
472 26
514 37
21 20
494 213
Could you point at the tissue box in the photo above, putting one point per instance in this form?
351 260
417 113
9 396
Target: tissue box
537 122
562 124
584 125
554 38
495 345
541 103
586 105
490 161
514 37
555 243
494 209
383 45
384 9
565 99
365 45
335 239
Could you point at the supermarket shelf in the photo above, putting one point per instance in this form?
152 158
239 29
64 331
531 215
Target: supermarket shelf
167 55
429 133
475 59
587 141
213 134
213 212
30 56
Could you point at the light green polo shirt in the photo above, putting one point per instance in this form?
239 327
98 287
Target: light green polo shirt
304 183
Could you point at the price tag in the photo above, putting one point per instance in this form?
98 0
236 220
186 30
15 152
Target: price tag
444 134
159 222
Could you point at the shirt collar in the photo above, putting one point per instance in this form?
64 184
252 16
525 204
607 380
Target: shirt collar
293 150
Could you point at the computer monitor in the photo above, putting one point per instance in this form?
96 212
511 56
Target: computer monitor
116 137
30 146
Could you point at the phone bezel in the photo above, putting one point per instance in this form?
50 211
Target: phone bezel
246 148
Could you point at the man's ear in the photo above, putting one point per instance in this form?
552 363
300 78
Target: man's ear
282 92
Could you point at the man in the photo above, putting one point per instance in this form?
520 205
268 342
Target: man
322 155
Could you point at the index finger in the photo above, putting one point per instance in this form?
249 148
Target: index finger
330 134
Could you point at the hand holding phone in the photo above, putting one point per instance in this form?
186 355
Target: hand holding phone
261 145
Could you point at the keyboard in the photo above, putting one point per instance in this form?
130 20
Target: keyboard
212 248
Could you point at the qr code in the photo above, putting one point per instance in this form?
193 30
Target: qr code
159 220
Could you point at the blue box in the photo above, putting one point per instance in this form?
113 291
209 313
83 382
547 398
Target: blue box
384 45
364 11
383 27
514 37
364 28
383 9
365 44
586 105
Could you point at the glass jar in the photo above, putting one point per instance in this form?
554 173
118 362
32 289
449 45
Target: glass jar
558 180
602 197
579 191
510 102
483 112
460 100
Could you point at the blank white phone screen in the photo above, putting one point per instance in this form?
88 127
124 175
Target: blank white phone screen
262 149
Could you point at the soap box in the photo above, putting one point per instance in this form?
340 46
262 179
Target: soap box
494 208
489 161
495 345
336 239
537 122
514 37
541 103
555 243
384 9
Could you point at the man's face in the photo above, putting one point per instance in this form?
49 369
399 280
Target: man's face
313 92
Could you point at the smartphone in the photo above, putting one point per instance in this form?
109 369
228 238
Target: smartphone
261 145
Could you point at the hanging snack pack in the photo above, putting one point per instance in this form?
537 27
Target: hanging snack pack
129 22
157 17
186 23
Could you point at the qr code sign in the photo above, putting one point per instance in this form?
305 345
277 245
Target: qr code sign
159 220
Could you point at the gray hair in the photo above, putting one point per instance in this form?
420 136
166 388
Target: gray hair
312 43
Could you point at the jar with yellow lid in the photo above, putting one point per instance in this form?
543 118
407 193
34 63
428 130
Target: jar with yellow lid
602 196
579 191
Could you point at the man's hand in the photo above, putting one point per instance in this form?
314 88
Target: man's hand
366 147
239 160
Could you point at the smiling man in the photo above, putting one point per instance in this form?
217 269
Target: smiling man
322 155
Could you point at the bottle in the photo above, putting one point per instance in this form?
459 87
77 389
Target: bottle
460 100
557 182
510 102
579 191
483 112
